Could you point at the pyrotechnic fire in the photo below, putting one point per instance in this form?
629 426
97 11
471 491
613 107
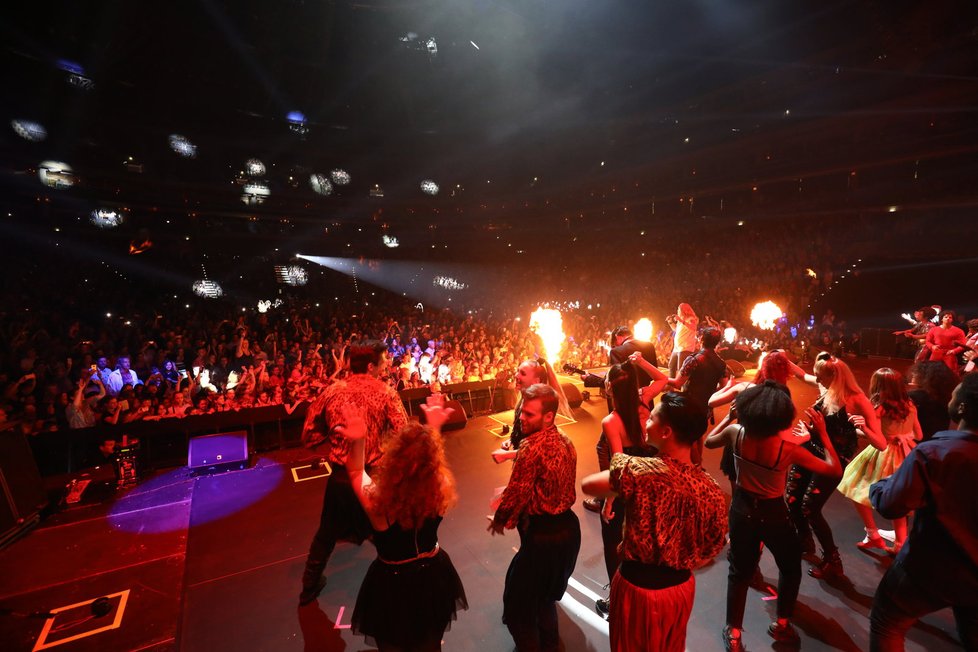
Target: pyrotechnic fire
729 334
811 272
548 324
643 330
765 315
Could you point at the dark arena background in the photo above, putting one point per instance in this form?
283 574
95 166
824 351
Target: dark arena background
228 194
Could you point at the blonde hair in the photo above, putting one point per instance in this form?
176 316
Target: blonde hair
414 482
841 384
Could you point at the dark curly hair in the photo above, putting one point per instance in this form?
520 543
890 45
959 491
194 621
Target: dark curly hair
765 410
935 378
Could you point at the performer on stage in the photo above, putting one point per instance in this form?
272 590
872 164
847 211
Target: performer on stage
675 522
946 342
530 372
684 324
411 591
537 501
764 449
342 517
938 566
919 330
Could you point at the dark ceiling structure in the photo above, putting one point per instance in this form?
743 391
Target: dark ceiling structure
526 114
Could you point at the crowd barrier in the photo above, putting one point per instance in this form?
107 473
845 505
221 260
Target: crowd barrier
164 443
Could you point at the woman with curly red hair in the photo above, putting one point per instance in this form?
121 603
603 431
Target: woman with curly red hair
411 592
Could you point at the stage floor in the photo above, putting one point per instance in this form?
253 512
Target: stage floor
214 563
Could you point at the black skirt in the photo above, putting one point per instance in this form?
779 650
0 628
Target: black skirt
406 604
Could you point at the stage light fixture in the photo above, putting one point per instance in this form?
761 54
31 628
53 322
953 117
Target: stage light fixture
291 275
182 146
320 184
56 174
340 177
255 193
391 241
429 187
32 131
448 283
207 289
254 167
297 123
106 218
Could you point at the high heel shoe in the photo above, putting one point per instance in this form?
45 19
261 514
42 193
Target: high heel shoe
870 543
894 550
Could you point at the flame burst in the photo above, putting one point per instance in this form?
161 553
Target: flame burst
548 324
765 315
643 330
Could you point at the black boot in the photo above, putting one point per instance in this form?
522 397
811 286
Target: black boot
830 566
313 581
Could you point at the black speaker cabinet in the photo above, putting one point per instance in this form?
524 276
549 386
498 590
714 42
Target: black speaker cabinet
456 421
22 491
573 394
222 452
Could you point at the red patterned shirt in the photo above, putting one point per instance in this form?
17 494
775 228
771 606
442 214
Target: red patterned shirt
675 514
543 478
379 404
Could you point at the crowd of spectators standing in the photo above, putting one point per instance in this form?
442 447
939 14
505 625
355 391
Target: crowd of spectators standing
66 375
123 348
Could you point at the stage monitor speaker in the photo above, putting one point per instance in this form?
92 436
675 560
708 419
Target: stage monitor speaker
220 452
414 398
22 491
456 421
573 394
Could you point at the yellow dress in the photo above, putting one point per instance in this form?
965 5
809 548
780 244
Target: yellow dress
871 465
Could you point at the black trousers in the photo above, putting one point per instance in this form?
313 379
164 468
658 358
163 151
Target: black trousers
901 600
611 534
753 521
342 519
537 578
807 493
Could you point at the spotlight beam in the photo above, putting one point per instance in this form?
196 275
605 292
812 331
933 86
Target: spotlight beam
414 279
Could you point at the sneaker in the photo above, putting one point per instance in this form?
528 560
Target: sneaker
783 633
311 593
731 644
603 607
870 543
593 504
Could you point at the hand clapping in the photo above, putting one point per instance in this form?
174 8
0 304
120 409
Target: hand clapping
435 412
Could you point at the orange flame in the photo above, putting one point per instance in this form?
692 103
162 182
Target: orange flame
765 315
548 324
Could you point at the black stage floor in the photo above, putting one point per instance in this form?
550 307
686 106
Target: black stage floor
213 563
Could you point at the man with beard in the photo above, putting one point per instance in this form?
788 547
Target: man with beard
537 501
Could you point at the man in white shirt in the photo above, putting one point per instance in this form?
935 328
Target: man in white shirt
122 376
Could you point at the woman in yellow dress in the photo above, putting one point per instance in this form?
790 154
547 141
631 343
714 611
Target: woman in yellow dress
898 416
